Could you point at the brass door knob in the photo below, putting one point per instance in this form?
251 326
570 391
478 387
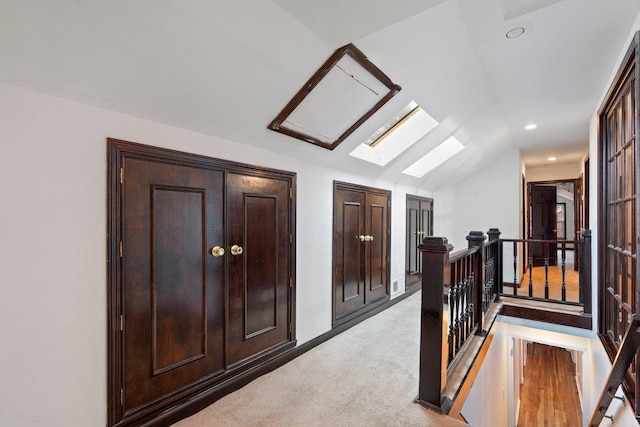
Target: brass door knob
236 250
217 251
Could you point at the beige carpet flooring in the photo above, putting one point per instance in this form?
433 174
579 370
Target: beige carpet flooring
366 376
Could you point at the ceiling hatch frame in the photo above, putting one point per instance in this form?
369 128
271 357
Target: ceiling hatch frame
355 80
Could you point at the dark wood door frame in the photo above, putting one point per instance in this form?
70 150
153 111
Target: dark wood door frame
579 204
618 212
419 224
525 219
551 182
176 404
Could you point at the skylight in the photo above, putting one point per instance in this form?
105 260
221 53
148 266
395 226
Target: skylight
401 132
434 158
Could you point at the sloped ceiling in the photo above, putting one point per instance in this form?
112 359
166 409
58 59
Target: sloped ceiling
227 67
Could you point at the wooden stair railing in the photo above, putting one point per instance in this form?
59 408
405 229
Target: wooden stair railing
624 358
470 277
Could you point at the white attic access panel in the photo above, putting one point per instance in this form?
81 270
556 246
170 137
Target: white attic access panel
336 100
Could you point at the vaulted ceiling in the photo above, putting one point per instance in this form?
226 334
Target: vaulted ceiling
227 67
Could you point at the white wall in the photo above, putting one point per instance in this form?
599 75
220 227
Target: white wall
487 402
53 176
487 199
554 172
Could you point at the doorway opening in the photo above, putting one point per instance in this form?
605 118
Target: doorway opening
419 225
555 212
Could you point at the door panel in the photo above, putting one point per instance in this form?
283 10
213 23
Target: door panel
376 259
426 227
259 276
261 286
578 210
353 254
172 289
543 223
426 208
413 239
419 225
177 233
349 266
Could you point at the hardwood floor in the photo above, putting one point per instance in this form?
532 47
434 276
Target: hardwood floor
549 395
554 278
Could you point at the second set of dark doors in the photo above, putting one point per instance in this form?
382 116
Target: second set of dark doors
361 239
419 225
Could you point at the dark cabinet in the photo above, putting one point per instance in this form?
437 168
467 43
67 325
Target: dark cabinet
361 240
201 287
419 225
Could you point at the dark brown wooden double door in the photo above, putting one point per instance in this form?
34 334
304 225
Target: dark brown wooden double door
419 225
360 249
205 274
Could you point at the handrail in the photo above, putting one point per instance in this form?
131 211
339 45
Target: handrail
538 241
457 255
471 289
472 281
546 256
624 358
433 358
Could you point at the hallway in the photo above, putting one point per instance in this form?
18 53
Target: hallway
366 376
549 395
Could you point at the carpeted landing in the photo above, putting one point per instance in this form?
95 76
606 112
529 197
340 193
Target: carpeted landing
366 376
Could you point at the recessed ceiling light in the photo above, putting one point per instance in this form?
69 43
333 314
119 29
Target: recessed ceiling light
551 159
515 32
531 126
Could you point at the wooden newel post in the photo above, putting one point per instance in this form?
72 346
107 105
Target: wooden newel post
433 353
493 234
476 240
585 270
